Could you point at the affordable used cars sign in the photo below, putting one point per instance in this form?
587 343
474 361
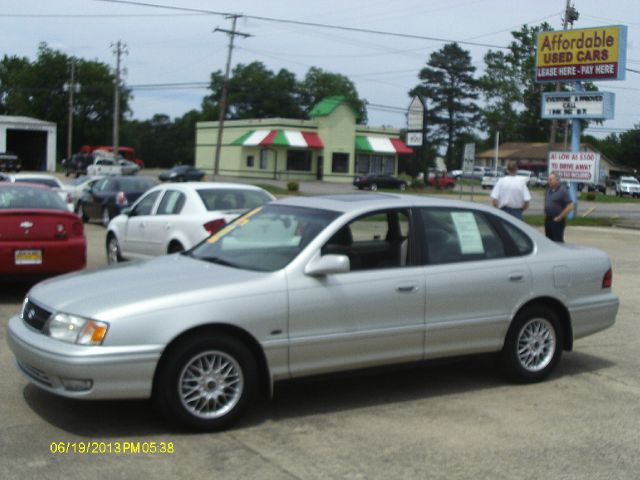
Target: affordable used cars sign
582 54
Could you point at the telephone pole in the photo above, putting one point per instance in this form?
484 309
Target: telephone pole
225 87
72 87
570 16
119 49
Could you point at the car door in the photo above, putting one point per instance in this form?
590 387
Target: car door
134 242
475 279
371 315
95 198
160 227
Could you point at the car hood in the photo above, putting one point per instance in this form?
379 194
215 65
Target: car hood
140 287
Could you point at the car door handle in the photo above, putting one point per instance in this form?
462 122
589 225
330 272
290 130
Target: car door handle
407 288
516 277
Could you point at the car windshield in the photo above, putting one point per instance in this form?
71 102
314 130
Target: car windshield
265 239
48 182
630 180
26 197
232 199
79 180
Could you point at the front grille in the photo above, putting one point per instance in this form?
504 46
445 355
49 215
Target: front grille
35 316
36 375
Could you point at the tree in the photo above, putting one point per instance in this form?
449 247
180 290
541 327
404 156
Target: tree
37 89
451 91
319 84
254 92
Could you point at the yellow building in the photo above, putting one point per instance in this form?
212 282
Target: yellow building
329 146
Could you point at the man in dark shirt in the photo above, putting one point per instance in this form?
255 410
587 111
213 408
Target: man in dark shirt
557 205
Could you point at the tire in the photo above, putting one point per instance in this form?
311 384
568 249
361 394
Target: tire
374 187
206 382
81 214
175 247
533 345
106 217
114 254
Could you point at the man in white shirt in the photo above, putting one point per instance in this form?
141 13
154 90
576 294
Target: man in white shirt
511 193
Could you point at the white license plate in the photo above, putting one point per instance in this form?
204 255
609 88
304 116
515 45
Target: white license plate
28 257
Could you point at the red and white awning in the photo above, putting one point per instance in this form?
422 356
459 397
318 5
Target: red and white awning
280 138
381 145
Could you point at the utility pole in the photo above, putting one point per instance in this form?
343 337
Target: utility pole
225 87
72 87
119 49
570 16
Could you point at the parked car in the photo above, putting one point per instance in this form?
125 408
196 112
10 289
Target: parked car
490 178
627 186
312 285
174 217
105 163
477 173
373 181
527 175
182 173
441 180
78 163
4 178
457 174
39 236
50 181
78 186
10 162
110 195
541 180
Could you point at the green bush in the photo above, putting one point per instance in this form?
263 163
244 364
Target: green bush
293 186
418 184
591 196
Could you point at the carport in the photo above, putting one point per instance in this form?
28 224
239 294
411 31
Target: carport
33 140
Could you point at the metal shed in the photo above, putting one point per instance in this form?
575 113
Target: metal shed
33 140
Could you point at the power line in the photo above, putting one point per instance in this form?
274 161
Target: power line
308 24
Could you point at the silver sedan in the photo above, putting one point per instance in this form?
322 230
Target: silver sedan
311 285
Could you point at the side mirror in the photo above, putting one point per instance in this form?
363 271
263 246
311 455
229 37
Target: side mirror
328 264
126 211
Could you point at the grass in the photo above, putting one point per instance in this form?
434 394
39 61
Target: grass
607 199
277 191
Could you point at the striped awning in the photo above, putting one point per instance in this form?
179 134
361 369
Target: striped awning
381 145
280 138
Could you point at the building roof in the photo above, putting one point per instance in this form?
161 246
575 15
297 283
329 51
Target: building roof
327 105
18 120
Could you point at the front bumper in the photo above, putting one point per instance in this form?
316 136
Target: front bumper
58 367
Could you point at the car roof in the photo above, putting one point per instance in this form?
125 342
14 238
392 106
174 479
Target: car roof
203 185
355 202
24 185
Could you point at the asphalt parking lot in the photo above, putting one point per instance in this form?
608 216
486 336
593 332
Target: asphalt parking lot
451 420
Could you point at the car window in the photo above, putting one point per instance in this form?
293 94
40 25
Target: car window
171 203
521 240
102 185
16 197
232 199
456 235
374 241
265 239
134 184
145 205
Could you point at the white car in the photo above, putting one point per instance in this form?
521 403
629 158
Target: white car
78 186
48 180
174 217
490 178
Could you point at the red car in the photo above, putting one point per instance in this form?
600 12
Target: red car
39 236
441 180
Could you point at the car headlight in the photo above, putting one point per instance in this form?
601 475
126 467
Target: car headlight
74 329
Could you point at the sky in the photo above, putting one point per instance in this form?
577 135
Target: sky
171 46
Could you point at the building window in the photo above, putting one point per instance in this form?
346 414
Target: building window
340 163
264 159
299 160
249 160
375 163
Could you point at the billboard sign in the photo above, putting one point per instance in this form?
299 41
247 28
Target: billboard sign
569 105
583 54
415 122
582 167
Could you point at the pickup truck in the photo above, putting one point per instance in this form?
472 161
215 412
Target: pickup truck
627 186
9 162
107 165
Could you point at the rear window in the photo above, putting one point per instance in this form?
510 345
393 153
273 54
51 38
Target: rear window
25 197
232 199
134 184
47 182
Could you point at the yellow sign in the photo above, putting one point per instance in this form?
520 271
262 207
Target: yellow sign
583 54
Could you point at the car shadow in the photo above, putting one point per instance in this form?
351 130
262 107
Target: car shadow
14 291
304 397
